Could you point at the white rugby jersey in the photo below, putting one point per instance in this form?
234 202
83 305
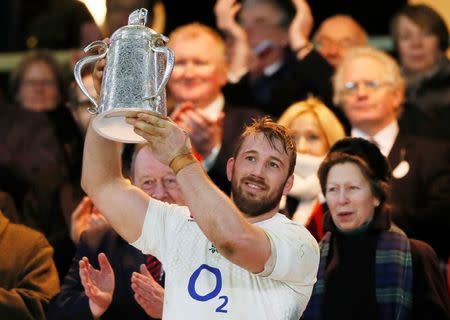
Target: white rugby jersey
202 284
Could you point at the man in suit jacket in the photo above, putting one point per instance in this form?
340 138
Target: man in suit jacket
73 302
199 74
370 89
269 70
28 274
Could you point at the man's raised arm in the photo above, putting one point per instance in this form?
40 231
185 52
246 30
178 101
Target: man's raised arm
123 204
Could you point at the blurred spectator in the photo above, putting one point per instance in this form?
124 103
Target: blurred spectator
28 274
78 103
336 35
120 260
374 16
264 62
421 40
45 24
369 269
41 152
315 129
369 87
196 84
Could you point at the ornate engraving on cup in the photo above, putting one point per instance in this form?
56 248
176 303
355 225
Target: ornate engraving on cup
138 66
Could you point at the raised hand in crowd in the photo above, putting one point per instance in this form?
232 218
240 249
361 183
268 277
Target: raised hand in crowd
235 35
85 216
205 133
301 26
98 284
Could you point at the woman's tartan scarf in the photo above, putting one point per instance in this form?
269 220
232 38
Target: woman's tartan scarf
393 277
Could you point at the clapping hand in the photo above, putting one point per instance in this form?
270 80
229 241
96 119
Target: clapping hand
301 25
85 216
148 293
98 284
238 47
205 133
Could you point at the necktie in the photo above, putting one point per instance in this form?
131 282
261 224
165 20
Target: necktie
154 267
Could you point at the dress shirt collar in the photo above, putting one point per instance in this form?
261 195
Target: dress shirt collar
273 68
384 138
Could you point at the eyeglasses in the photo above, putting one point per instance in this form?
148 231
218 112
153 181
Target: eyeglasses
352 87
324 43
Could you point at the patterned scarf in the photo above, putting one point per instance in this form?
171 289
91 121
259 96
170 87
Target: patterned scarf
393 277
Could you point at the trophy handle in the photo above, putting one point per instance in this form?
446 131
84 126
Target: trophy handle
81 63
170 60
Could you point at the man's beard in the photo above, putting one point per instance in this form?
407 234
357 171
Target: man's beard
253 207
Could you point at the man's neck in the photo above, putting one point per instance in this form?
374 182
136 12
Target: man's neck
372 129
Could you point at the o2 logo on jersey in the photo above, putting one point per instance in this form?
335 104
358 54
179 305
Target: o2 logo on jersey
211 295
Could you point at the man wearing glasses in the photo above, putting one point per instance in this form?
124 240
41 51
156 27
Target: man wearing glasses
124 283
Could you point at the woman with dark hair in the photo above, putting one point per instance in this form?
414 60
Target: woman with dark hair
368 268
421 39
42 148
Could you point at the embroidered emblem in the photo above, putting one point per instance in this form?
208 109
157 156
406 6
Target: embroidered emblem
213 248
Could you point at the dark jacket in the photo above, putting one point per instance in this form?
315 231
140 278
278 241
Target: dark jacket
421 198
72 302
296 80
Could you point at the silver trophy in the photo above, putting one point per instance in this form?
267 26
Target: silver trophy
138 66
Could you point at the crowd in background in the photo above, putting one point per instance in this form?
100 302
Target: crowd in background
316 76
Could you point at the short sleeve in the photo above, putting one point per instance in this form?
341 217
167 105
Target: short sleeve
295 255
161 223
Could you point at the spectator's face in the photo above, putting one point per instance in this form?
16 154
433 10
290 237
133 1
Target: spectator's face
259 175
335 36
369 101
417 48
156 179
199 72
349 196
38 90
308 135
262 22
267 38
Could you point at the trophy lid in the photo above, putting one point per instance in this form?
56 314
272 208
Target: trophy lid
136 28
138 17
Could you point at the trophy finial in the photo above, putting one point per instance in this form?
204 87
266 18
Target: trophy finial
138 16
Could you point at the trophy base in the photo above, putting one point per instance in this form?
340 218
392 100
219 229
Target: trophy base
112 125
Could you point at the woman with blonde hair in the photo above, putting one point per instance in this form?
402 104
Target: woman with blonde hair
315 129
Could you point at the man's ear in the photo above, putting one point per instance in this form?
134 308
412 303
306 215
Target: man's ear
288 185
230 165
